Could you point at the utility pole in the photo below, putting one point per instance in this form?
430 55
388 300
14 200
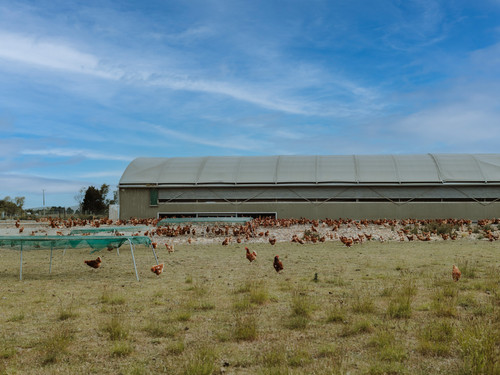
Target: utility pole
43 190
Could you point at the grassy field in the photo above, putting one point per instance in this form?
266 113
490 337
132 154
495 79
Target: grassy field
375 308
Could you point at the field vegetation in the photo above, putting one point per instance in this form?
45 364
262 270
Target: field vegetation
374 308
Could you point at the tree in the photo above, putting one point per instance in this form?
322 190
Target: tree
79 197
12 207
94 199
20 202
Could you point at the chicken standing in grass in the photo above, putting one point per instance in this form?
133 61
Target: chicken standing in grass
251 256
157 269
455 273
94 263
278 265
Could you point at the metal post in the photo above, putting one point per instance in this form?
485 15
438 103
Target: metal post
50 266
154 253
133 258
21 267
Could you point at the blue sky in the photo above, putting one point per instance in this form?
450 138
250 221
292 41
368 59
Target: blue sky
87 86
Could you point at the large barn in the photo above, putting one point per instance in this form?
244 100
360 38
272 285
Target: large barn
315 187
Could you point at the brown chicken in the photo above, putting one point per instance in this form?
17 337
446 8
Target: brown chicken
251 256
455 273
157 269
278 265
272 241
94 263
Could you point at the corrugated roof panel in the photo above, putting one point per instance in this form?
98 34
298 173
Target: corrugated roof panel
336 168
417 168
219 170
257 169
490 165
143 170
181 170
296 169
377 168
431 168
458 168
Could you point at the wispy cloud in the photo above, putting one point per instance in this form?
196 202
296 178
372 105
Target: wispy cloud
51 55
87 154
100 174
242 142
24 183
281 94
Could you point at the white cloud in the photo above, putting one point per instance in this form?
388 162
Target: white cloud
281 93
23 183
51 55
230 142
458 124
101 174
87 154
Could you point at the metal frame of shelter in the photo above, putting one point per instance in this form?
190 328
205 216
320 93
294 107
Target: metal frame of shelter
97 243
108 229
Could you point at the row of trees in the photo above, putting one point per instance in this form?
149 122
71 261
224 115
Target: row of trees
91 201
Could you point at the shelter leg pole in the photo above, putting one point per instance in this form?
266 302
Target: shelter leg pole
64 252
133 259
50 264
21 266
154 253
117 251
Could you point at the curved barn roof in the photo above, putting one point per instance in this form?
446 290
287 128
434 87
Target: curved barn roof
329 169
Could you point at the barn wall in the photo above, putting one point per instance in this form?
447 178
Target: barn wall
136 203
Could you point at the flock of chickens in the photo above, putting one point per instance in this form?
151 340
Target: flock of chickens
251 256
240 233
158 269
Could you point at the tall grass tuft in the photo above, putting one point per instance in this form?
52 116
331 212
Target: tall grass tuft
362 304
436 338
156 327
444 301
359 327
259 293
301 308
111 299
479 349
336 314
115 329
468 268
175 348
121 349
201 363
400 307
56 344
301 304
274 357
245 327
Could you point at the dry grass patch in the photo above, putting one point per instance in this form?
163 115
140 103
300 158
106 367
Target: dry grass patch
250 320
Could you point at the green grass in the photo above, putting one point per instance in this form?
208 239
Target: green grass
376 308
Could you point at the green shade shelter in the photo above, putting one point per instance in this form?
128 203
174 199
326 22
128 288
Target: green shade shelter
96 243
